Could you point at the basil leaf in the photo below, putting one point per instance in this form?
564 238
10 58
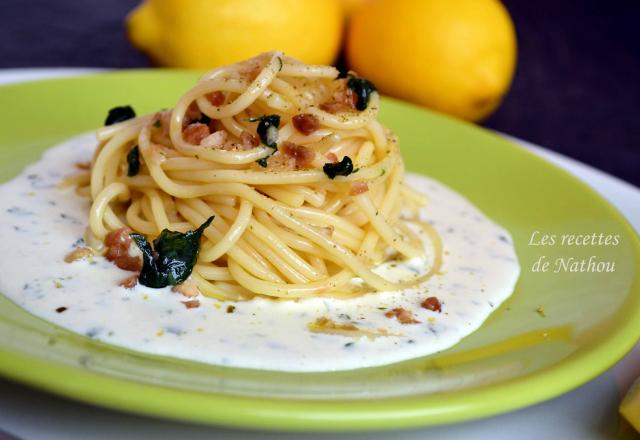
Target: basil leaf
262 162
363 89
342 168
268 130
119 114
133 159
172 258
150 275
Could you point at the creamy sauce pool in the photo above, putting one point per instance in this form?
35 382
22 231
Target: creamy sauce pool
40 225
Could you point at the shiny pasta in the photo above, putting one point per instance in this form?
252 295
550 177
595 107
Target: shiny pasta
281 229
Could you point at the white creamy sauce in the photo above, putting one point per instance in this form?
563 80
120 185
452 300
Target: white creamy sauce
40 225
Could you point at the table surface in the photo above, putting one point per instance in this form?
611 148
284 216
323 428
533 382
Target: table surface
589 411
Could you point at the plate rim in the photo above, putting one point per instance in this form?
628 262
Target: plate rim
330 415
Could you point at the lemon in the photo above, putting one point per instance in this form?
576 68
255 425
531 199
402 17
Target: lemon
455 56
630 406
351 5
208 33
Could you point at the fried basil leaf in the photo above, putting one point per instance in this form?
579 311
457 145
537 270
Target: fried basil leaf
342 168
133 160
119 114
262 162
363 89
171 260
268 129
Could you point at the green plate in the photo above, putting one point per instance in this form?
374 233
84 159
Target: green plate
557 331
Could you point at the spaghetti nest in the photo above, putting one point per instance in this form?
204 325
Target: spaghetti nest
304 185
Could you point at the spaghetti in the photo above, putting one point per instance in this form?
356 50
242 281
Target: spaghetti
304 185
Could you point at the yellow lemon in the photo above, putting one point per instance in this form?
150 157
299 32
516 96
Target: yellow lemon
208 33
351 5
455 56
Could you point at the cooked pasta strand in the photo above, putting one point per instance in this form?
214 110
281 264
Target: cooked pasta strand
284 227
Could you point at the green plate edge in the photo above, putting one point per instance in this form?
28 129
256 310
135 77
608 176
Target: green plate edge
317 415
